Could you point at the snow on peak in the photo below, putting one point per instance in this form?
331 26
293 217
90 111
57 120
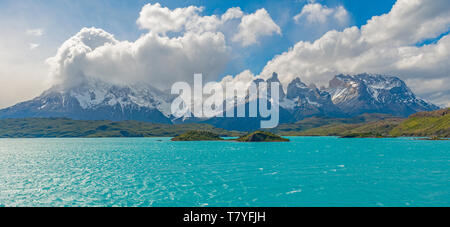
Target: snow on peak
345 87
95 94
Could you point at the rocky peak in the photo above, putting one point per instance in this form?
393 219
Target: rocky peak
274 79
298 89
375 93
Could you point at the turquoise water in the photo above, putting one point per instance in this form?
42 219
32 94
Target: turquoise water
319 171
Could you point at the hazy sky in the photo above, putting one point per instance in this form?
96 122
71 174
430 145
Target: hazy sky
43 42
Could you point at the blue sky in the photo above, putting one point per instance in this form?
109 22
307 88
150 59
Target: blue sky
411 41
63 18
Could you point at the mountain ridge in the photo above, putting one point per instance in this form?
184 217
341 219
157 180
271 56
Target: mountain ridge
95 100
346 96
372 93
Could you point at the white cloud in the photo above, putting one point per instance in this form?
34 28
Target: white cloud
160 19
251 27
317 13
232 13
409 22
179 43
439 91
153 59
386 44
314 12
35 32
198 44
242 79
214 23
341 15
254 26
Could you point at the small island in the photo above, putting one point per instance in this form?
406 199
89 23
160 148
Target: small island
198 136
258 136
262 136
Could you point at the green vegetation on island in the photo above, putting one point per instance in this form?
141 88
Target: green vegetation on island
198 136
262 136
258 136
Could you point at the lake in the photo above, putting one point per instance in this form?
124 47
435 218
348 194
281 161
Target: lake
308 171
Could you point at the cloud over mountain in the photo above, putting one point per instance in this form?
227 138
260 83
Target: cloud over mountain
179 43
411 41
157 60
390 43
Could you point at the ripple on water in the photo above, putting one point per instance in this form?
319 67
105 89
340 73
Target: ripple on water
147 172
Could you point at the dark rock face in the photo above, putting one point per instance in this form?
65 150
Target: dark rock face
274 79
261 136
364 93
310 101
249 123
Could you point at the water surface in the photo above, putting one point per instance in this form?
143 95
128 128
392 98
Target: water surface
309 171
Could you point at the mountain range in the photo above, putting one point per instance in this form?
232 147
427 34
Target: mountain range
346 96
95 100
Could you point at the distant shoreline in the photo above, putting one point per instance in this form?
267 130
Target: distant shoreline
232 140
430 125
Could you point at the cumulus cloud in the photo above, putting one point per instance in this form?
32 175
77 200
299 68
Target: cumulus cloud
242 80
181 42
254 26
232 13
178 44
387 44
160 19
409 22
341 15
214 23
153 59
317 13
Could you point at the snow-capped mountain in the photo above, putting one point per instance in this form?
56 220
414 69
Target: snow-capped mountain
346 96
300 101
95 100
367 93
